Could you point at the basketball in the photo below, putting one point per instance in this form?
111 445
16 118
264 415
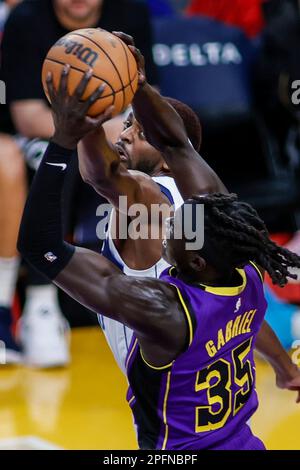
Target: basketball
109 57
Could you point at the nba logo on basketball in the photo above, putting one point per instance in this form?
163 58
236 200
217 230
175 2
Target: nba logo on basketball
2 92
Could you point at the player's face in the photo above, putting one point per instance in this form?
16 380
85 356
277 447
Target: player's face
174 250
135 152
78 9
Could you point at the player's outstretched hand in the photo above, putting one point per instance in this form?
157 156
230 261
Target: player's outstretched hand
137 54
290 381
70 112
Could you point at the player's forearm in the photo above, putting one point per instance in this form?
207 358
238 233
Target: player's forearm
98 160
269 346
41 233
163 127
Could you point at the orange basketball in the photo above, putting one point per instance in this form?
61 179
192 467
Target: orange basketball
111 60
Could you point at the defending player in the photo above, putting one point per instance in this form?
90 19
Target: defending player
190 364
106 168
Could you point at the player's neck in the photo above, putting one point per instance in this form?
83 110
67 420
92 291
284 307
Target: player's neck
160 172
209 277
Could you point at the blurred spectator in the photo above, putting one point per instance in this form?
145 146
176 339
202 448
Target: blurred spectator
5 7
12 199
277 67
245 14
33 27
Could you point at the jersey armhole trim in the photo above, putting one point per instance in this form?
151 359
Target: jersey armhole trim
187 314
167 366
258 271
190 328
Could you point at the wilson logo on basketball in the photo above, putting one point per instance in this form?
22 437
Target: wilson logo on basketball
85 54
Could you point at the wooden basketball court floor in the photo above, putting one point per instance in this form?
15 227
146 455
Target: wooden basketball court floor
83 406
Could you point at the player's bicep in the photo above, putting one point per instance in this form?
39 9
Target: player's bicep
96 283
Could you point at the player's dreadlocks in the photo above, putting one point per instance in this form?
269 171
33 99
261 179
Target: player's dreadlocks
239 235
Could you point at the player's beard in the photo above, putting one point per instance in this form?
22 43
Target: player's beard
146 166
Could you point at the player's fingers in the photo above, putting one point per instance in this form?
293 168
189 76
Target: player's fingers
108 113
298 397
94 96
139 59
80 89
137 54
124 37
50 86
62 89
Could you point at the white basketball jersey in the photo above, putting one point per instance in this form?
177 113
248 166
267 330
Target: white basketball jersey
118 335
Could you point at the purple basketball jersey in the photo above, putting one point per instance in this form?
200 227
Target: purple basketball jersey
204 399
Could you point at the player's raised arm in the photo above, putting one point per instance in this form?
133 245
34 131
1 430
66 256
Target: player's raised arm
286 373
164 130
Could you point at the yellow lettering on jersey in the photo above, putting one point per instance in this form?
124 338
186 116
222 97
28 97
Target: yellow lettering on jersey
211 348
239 326
235 328
244 316
221 340
246 321
251 317
228 334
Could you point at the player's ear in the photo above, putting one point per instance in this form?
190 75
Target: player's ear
196 262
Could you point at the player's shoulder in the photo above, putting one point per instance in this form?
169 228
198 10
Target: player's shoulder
140 175
258 271
147 185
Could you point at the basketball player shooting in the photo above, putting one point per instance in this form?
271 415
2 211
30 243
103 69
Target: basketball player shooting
192 348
